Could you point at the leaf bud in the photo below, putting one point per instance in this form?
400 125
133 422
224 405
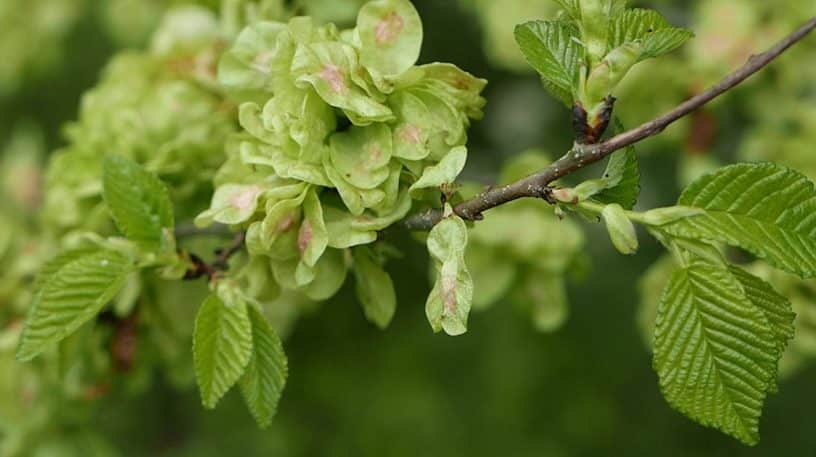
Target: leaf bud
620 228
607 74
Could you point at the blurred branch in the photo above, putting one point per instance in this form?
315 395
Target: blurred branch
201 269
538 185
190 230
222 255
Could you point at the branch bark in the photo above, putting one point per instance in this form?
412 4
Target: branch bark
201 269
538 185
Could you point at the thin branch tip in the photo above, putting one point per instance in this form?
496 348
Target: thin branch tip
536 185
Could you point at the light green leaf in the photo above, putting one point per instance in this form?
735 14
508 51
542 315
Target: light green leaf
284 165
664 41
312 236
392 214
621 229
413 126
138 201
449 302
231 204
714 350
282 216
456 87
74 289
330 67
266 372
222 346
444 173
648 28
553 49
571 7
620 182
54 265
633 25
448 124
330 274
374 287
250 65
611 70
341 232
361 155
595 16
264 124
764 208
356 200
390 34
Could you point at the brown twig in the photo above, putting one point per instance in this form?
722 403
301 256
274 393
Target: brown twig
221 261
538 185
201 269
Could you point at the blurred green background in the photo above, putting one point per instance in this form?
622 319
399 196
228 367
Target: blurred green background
503 388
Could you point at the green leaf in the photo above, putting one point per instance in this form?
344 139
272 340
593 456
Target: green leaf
266 372
650 29
664 41
553 49
390 34
650 288
444 173
374 287
342 234
621 229
621 177
54 265
611 70
250 66
633 25
413 128
449 302
76 287
231 204
331 67
280 221
594 23
138 201
330 274
571 7
222 346
777 309
357 200
714 350
764 208
284 166
313 237
361 155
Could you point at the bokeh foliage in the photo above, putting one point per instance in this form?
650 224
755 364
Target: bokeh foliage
502 389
